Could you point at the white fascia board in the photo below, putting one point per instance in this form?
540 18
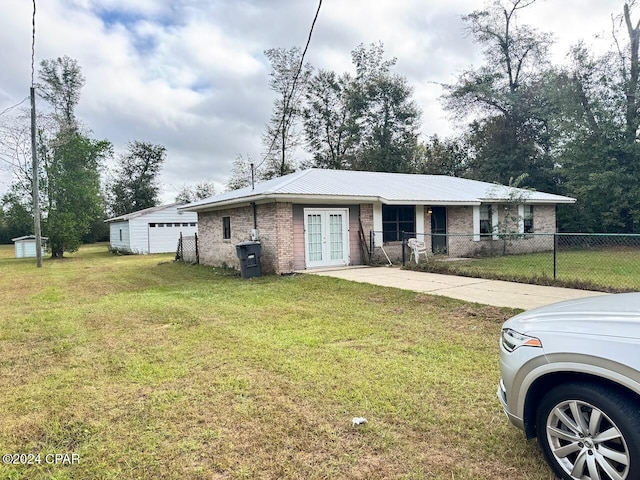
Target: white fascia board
325 199
533 201
430 203
319 199
233 202
279 197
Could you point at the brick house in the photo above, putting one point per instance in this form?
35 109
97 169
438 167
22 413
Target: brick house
325 218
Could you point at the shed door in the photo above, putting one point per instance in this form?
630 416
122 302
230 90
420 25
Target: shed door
326 237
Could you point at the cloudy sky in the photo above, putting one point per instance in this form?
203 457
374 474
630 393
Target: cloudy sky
191 74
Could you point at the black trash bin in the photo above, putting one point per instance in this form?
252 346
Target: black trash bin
249 254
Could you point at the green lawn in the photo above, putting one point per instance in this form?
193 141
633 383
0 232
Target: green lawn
599 269
147 369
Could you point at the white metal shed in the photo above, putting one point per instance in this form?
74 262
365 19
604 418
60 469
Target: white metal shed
152 230
26 246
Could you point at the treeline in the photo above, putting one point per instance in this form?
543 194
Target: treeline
76 192
571 128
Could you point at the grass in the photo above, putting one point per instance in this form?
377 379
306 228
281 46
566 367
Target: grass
149 369
608 270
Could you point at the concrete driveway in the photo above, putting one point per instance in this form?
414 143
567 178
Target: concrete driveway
489 292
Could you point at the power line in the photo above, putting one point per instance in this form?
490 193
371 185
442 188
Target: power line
14 106
293 86
33 42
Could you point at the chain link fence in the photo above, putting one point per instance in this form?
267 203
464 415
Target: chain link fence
602 262
187 250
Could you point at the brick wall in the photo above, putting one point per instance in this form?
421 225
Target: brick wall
460 221
544 218
274 227
366 219
213 249
284 238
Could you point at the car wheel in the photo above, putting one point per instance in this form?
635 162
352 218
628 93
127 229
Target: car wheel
589 432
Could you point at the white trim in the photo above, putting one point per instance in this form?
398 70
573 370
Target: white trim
420 221
377 225
326 260
494 221
521 218
476 223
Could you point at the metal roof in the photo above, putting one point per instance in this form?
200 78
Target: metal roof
28 237
139 213
387 188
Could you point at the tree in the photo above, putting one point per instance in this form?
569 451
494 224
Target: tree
364 122
383 117
599 149
74 189
62 81
441 157
288 79
15 148
508 228
241 173
630 73
326 120
135 186
16 218
71 160
16 160
193 193
506 99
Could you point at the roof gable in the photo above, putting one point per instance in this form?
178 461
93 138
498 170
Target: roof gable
140 213
28 237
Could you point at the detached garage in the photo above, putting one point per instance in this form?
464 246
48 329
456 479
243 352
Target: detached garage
152 230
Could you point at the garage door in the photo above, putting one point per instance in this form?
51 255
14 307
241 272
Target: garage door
163 237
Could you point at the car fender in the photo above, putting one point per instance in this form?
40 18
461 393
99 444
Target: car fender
578 364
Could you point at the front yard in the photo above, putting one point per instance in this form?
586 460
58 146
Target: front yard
146 369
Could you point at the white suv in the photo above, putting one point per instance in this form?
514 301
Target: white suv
571 377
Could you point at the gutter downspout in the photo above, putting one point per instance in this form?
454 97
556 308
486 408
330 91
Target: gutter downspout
255 236
254 232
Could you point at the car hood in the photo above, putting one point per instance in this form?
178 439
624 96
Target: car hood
608 315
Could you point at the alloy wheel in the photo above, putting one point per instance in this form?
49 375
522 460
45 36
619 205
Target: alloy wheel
586 443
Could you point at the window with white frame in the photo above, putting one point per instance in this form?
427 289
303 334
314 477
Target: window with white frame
226 228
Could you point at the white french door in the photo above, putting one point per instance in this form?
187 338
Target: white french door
326 237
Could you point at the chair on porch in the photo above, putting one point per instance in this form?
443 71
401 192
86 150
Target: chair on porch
417 248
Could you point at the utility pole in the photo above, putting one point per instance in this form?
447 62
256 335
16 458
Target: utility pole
34 155
35 186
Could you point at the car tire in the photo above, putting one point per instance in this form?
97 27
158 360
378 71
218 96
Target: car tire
588 431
